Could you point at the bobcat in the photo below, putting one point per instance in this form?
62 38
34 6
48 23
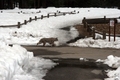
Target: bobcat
48 40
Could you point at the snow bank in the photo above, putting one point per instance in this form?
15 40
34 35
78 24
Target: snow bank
99 43
35 70
16 63
12 59
114 62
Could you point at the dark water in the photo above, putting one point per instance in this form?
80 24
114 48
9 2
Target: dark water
74 73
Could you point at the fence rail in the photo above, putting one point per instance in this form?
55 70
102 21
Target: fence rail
99 20
88 23
55 14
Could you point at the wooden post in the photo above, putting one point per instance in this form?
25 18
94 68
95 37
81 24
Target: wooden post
41 16
57 11
109 33
55 14
48 15
35 18
84 22
104 35
112 24
93 33
11 45
30 19
39 12
114 29
104 17
109 29
64 14
25 22
88 28
18 24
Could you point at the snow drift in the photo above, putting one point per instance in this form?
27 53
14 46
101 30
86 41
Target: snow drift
16 63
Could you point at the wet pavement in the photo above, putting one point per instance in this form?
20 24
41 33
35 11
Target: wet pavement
73 52
74 73
71 68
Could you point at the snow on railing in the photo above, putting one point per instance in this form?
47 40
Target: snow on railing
58 13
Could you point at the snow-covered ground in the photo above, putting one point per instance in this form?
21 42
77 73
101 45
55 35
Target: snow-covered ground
13 59
16 63
48 27
99 43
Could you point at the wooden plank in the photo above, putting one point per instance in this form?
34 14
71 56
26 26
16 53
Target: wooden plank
99 20
8 25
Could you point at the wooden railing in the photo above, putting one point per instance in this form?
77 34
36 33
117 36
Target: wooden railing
88 23
55 14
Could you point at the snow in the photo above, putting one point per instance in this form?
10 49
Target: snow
99 43
17 63
113 61
41 28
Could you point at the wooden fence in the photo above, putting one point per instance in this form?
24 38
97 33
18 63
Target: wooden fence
88 23
58 13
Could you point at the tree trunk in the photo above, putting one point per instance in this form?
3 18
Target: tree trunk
1 4
11 4
38 3
20 4
44 4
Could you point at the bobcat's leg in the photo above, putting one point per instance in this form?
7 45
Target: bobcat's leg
53 44
44 44
39 43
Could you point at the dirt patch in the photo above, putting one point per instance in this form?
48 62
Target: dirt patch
82 31
105 27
